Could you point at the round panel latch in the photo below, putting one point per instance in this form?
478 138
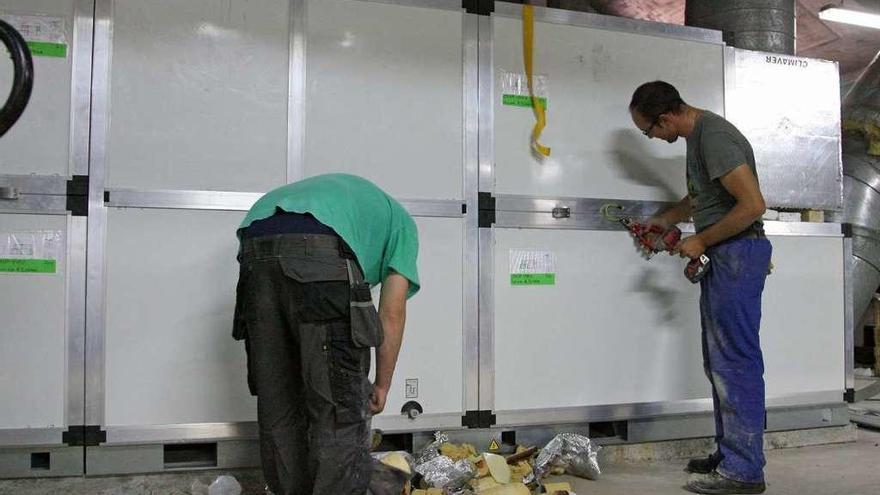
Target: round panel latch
412 409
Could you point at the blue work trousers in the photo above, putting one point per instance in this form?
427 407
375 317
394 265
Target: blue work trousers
730 310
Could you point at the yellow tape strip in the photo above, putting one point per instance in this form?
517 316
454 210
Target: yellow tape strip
537 106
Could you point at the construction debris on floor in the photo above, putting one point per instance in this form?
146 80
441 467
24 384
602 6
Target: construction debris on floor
444 468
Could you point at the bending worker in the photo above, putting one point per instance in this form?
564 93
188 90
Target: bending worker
309 253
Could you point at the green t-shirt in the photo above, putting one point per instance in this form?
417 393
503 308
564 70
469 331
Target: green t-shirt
378 229
714 148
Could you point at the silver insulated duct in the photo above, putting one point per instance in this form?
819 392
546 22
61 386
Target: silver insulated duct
763 25
861 182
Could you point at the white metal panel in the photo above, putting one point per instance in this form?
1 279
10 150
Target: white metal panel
199 95
384 96
432 343
33 350
802 331
617 329
39 141
170 356
596 149
614 329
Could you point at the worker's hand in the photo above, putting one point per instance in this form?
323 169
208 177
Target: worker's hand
690 247
377 399
658 223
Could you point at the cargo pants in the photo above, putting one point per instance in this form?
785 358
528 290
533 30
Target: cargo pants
308 325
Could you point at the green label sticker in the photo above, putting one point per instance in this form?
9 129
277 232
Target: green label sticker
14 265
46 49
522 101
532 279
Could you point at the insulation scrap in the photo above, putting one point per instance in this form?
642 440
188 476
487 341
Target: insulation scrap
458 452
520 470
555 488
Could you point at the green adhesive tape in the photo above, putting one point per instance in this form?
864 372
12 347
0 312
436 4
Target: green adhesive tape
522 101
8 265
532 279
46 49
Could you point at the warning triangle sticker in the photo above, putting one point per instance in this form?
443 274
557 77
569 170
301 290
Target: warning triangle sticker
494 445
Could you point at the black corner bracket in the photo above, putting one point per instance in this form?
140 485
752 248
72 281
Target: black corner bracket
84 436
78 195
478 419
486 207
479 7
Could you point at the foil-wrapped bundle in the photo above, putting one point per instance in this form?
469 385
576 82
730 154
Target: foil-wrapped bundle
572 452
442 472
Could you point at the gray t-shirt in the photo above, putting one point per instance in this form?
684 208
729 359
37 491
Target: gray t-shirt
714 148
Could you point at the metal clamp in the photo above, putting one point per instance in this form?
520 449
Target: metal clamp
9 193
562 212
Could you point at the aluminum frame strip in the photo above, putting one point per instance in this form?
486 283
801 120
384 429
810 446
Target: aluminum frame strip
181 199
425 422
75 332
612 23
81 85
36 194
471 278
585 214
486 83
178 433
35 184
77 227
618 412
35 204
242 201
849 317
454 5
486 136
30 437
296 98
97 220
204 432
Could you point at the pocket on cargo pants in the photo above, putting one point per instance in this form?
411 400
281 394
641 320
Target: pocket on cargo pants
366 328
348 368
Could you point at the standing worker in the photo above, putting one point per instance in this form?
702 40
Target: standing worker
726 204
310 251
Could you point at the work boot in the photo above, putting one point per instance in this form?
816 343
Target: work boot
704 465
716 484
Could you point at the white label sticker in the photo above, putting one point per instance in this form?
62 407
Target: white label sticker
38 27
41 244
412 388
514 83
529 261
529 267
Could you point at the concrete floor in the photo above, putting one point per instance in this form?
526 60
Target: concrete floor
851 468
